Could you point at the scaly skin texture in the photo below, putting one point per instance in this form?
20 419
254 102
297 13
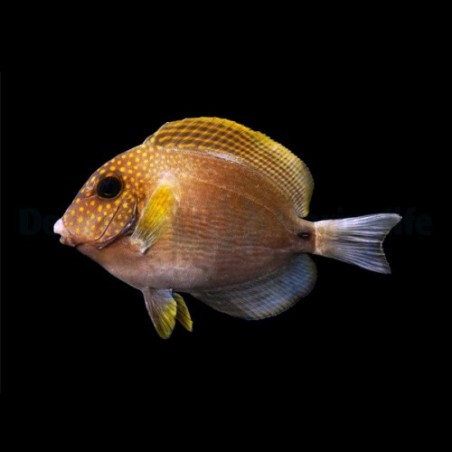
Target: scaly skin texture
231 225
205 206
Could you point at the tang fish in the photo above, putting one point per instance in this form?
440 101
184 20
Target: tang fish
209 207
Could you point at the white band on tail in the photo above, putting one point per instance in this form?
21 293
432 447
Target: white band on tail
356 240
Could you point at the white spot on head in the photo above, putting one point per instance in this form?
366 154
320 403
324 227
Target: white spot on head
58 227
65 239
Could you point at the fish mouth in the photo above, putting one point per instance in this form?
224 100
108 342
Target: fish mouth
65 237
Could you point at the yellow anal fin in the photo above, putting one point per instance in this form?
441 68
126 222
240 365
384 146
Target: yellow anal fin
183 314
156 215
232 141
165 308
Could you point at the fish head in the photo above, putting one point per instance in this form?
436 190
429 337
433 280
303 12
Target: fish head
105 208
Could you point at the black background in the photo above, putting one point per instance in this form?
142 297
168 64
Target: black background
357 118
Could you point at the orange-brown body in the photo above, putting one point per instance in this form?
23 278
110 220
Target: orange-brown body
210 207
232 225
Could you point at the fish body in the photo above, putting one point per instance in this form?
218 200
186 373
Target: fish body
209 207
230 226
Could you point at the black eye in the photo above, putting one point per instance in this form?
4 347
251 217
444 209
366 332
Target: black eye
109 187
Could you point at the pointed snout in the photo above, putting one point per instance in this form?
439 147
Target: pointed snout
60 229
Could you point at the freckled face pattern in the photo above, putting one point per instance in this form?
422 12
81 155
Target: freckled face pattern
94 217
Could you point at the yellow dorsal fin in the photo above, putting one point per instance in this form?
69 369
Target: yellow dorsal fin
232 141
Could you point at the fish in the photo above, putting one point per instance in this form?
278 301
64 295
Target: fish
209 207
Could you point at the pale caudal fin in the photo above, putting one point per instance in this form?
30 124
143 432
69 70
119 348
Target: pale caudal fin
357 240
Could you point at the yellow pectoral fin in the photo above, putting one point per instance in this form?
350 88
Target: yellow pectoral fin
156 215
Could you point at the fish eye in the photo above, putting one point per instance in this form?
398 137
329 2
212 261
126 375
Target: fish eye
109 187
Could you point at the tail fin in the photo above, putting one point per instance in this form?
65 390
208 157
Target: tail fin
357 240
